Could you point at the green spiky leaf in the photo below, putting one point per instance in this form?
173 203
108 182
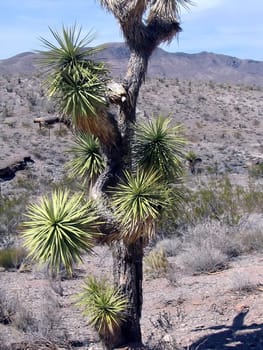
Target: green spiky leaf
160 146
59 229
75 81
137 203
87 161
104 305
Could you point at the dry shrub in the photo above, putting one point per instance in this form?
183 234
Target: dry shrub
7 307
161 338
23 319
250 236
167 342
12 312
11 211
251 240
203 259
208 246
214 234
156 263
171 246
242 283
256 170
50 317
45 324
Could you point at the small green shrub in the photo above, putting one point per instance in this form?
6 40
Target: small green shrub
256 170
191 155
217 200
252 199
156 263
11 258
26 182
11 212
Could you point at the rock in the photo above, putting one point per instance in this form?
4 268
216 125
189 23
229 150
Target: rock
9 168
168 338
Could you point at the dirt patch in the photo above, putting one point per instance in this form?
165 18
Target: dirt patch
204 312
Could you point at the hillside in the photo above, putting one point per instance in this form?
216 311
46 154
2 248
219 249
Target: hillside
202 66
210 294
222 122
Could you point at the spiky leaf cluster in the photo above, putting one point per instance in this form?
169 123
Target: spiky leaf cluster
137 203
87 162
104 305
59 229
160 146
76 81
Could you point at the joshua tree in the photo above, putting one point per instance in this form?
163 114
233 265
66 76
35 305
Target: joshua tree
145 25
141 162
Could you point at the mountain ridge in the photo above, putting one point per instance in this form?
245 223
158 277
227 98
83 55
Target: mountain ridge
203 66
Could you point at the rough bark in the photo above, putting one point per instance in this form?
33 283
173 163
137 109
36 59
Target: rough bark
142 36
128 258
128 276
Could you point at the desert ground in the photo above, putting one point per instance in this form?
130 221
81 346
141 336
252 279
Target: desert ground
206 291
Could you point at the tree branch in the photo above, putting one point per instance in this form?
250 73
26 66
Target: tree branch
145 34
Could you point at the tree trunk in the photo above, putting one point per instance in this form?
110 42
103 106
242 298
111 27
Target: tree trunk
128 258
128 275
144 28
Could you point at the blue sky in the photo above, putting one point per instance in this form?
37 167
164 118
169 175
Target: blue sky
232 27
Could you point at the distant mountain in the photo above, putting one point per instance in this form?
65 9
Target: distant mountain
19 64
201 66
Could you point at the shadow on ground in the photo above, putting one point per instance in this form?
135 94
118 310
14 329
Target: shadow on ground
236 337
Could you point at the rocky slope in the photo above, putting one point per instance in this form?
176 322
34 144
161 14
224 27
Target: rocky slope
203 66
223 122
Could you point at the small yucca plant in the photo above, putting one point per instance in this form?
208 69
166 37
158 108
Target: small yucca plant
87 162
105 307
160 146
137 203
60 229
